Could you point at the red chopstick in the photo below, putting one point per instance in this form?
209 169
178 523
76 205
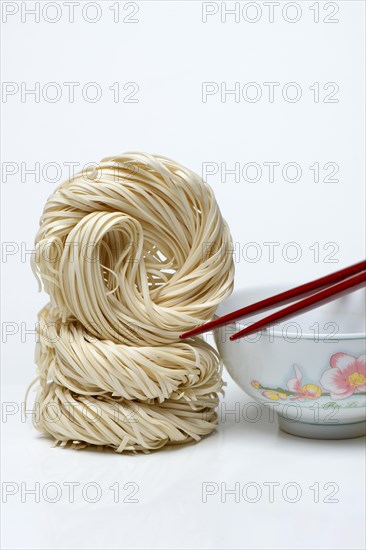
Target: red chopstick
280 299
320 298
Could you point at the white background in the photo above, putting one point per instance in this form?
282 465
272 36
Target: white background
169 53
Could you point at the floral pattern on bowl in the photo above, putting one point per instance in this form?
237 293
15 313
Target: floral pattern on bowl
345 377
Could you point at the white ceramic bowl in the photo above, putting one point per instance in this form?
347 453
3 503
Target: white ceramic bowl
310 369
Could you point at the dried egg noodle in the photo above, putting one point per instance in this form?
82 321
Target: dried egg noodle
132 253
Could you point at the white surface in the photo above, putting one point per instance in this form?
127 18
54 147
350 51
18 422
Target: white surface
169 53
170 512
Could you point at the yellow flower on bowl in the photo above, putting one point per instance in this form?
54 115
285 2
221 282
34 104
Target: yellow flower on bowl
311 391
274 395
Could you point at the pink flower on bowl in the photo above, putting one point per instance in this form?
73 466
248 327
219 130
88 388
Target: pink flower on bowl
346 376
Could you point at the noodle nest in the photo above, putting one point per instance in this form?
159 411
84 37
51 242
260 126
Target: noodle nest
132 252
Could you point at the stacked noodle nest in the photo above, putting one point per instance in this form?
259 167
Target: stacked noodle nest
132 253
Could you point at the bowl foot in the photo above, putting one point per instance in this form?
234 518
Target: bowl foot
322 431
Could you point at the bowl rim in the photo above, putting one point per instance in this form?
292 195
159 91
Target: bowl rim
279 333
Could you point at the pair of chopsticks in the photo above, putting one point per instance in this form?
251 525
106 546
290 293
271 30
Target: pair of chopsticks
327 288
